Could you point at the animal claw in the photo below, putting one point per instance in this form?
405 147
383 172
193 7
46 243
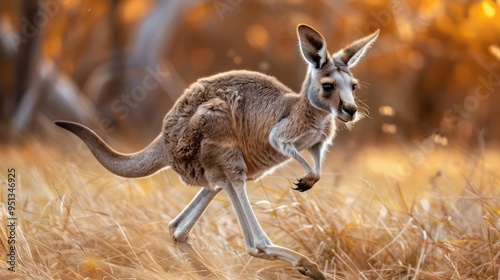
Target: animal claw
302 186
305 183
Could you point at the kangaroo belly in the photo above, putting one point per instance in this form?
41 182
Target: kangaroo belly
262 160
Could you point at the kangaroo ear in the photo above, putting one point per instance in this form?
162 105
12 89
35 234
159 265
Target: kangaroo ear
355 51
312 46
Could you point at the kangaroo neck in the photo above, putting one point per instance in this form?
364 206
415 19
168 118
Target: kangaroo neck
311 106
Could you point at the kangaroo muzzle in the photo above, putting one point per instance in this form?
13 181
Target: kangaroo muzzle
347 111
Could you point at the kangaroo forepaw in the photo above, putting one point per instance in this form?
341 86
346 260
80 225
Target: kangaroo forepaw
305 183
311 270
301 186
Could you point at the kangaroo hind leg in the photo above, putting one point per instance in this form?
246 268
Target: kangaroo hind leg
228 171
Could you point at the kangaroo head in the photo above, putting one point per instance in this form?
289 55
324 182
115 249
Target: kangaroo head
330 85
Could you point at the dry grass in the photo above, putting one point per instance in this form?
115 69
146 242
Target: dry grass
376 217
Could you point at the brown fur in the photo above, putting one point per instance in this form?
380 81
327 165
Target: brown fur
239 125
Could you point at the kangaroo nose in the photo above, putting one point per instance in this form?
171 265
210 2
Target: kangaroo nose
350 109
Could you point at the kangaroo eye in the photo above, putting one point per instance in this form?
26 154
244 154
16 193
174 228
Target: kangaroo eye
354 87
328 87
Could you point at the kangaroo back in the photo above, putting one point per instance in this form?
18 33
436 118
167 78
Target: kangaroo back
140 164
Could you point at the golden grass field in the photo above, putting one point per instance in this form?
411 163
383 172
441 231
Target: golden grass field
373 215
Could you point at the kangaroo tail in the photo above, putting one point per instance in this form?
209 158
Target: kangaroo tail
140 164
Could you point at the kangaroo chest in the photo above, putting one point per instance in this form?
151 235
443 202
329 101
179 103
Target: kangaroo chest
313 133
262 158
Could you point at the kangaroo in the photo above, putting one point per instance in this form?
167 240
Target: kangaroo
237 126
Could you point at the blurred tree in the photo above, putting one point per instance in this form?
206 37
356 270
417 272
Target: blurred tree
123 63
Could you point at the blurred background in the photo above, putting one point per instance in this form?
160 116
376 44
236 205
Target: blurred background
411 191
432 79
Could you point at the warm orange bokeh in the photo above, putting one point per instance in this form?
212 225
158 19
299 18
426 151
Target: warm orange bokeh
430 58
